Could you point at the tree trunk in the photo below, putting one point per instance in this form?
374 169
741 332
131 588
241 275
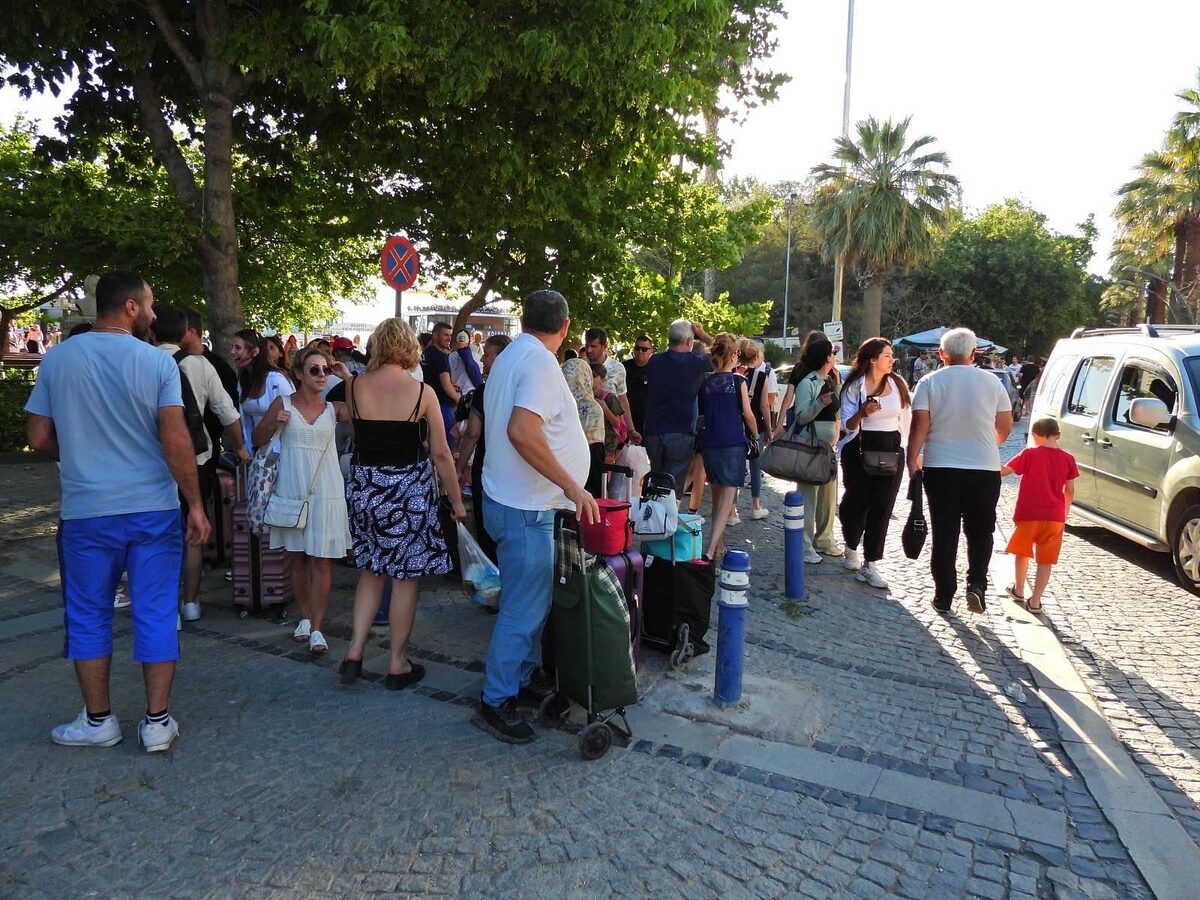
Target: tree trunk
872 308
479 298
711 123
1156 302
218 250
1186 276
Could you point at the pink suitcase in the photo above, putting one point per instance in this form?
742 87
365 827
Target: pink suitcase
262 577
219 508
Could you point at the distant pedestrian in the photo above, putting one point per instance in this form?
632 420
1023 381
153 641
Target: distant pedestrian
579 377
1047 488
108 406
596 345
764 391
673 380
635 379
537 462
960 416
258 382
473 448
876 412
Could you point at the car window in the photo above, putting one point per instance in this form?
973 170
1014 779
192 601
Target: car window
1091 381
1143 380
1052 383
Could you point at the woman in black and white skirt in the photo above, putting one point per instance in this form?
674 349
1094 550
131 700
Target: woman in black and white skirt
392 500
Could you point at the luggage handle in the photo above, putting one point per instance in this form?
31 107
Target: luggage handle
657 484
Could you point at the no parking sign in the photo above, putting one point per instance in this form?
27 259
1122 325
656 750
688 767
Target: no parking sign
399 263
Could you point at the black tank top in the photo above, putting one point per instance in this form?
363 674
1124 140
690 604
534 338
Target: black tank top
386 442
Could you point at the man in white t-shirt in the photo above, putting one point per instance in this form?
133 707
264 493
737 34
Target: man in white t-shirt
537 461
595 342
961 415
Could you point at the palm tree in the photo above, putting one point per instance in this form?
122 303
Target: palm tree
1163 204
878 204
1143 251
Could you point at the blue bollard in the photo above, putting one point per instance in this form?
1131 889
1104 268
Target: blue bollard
731 626
793 545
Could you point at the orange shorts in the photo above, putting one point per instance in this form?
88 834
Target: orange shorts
1046 537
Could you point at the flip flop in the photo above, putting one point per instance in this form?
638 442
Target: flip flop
1011 590
400 682
1037 611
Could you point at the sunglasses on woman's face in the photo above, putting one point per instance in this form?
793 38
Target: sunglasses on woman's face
314 371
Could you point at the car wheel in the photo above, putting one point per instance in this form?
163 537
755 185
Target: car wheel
1185 548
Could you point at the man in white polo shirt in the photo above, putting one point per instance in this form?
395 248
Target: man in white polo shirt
961 415
537 461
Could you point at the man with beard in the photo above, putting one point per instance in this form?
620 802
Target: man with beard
108 406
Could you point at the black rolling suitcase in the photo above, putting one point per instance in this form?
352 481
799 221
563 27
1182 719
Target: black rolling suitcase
676 606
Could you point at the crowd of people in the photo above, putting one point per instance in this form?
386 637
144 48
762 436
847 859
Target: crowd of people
377 449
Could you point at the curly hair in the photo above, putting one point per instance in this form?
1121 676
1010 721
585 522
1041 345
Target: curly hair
393 341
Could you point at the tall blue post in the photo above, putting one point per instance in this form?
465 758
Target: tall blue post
793 545
731 626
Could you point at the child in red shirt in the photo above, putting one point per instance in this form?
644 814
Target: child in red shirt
1047 486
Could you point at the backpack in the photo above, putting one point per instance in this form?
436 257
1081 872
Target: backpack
193 415
758 384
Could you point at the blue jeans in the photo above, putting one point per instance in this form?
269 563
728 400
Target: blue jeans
525 547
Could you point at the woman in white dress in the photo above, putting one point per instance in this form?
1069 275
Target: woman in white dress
309 471
258 383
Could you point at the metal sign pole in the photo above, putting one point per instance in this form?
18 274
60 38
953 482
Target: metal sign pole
399 304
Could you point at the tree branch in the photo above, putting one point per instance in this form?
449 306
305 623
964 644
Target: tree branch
165 146
35 303
175 41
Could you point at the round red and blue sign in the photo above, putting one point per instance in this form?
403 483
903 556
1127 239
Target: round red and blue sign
399 263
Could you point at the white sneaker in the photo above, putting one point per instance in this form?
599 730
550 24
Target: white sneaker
157 738
812 557
871 576
851 561
80 734
761 513
191 612
835 550
300 635
316 643
734 519
122 601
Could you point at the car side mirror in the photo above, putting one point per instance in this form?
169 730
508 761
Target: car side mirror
1149 413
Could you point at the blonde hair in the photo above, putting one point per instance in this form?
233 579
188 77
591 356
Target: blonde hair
724 347
750 349
302 356
393 342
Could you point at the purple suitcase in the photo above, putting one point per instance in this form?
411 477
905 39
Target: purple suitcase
629 569
262 577
219 509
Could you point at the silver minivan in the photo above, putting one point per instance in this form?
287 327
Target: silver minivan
1126 401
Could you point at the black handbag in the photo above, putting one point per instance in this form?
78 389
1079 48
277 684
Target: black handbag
752 448
879 461
912 538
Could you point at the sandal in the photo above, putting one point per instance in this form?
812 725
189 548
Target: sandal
1011 590
1036 610
409 678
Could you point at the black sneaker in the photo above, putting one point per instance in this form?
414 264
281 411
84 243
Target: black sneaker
540 687
976 602
940 607
504 724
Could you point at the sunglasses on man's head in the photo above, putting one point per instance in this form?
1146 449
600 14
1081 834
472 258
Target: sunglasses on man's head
314 371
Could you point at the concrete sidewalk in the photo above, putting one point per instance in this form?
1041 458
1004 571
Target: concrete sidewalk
882 750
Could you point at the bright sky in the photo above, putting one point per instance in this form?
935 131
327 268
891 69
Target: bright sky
1050 101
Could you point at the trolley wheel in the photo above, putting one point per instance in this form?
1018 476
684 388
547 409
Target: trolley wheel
684 649
554 707
243 613
594 740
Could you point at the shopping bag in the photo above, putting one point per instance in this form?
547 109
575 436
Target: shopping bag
632 457
477 569
912 538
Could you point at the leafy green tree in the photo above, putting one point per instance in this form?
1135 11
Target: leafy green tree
1012 279
879 203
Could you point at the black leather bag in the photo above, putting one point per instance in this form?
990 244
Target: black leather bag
912 538
880 455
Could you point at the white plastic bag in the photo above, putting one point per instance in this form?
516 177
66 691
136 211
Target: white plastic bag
477 569
632 457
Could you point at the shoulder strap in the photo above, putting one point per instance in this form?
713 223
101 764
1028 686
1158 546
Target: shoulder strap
179 356
417 407
350 397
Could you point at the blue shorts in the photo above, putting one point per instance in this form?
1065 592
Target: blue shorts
725 466
92 554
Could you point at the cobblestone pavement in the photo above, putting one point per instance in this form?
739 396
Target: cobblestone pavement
283 783
1134 635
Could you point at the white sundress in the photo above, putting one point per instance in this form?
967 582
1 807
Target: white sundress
327 532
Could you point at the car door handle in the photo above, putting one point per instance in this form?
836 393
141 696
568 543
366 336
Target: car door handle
1086 439
1104 442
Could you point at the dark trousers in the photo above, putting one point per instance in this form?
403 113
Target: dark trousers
960 500
866 507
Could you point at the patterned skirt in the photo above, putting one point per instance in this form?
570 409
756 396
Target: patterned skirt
394 521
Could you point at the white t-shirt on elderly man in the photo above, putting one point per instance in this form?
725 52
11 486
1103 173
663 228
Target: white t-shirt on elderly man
527 375
962 402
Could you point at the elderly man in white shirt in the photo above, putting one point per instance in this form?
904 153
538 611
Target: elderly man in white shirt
173 335
961 415
537 461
